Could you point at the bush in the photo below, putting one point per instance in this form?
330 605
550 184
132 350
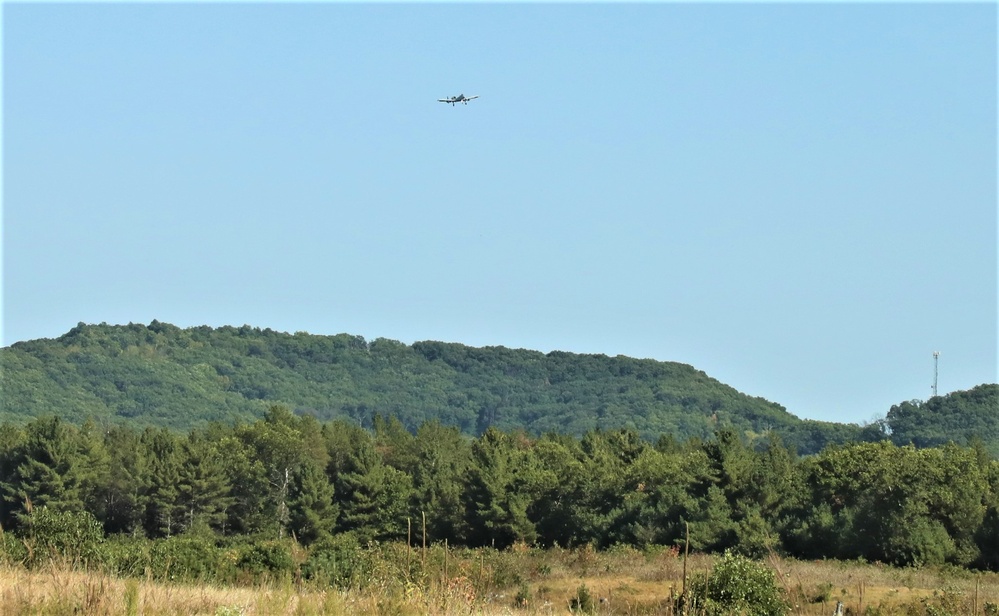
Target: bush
75 535
12 549
737 585
190 559
271 557
583 601
337 561
125 556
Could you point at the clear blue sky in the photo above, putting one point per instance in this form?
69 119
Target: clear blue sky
797 199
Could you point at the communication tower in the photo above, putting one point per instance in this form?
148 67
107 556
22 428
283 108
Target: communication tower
936 361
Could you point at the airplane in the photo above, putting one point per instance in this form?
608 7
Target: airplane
461 98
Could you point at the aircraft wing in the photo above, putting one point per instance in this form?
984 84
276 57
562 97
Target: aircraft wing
468 98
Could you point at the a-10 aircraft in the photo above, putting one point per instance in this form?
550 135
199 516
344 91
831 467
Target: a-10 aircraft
461 98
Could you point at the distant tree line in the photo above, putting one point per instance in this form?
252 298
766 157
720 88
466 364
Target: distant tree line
290 476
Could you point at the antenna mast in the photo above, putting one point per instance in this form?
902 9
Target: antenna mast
936 361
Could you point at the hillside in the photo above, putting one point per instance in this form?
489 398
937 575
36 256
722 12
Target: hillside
963 417
161 375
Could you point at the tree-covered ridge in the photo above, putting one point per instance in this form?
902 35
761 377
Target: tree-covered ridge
963 417
161 375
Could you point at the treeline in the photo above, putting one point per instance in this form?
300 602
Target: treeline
289 476
163 376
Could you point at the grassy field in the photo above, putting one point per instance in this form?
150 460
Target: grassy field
518 581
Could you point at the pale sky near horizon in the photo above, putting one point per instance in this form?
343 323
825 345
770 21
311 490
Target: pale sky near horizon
797 199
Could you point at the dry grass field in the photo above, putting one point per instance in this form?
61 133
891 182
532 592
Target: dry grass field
534 582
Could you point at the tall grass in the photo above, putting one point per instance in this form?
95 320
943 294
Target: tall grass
521 581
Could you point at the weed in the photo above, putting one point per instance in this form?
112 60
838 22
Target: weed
583 601
132 597
523 596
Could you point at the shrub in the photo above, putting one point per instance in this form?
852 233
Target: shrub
737 585
337 561
12 549
125 556
523 596
583 601
72 535
190 559
272 557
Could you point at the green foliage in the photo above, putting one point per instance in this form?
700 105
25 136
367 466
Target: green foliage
360 480
312 513
898 504
51 533
132 597
503 481
202 485
12 549
337 561
961 417
373 497
279 448
161 375
122 494
126 556
49 467
987 539
188 559
444 457
164 514
738 585
271 557
583 601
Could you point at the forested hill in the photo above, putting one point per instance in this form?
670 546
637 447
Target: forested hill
963 417
162 375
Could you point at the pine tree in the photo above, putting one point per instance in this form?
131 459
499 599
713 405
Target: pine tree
500 488
164 514
47 468
95 468
203 488
123 495
251 509
443 458
312 513
372 496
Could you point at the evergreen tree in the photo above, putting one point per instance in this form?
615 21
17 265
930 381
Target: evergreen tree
252 507
584 488
603 483
562 510
48 468
164 513
658 496
203 487
312 512
12 439
123 494
712 527
95 468
442 460
397 447
502 484
372 497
